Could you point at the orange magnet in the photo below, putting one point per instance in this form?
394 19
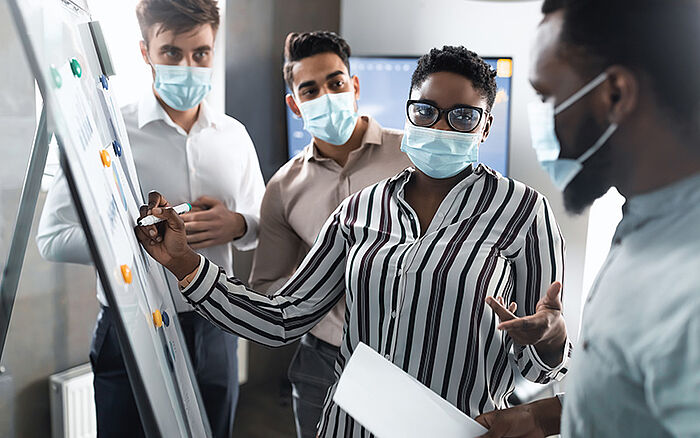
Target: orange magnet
157 318
126 273
106 159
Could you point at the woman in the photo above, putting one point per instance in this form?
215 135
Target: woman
418 256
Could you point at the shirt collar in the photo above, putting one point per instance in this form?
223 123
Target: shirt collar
373 135
676 198
150 110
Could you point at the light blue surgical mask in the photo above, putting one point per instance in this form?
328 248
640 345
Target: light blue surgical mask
440 154
331 117
182 87
544 137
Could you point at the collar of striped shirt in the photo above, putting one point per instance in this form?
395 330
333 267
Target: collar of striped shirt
419 300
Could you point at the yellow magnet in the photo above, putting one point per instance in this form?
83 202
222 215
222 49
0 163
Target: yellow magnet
126 273
157 318
106 159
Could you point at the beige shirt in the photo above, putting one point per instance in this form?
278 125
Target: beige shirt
302 195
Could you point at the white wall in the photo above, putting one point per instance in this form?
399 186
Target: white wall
412 27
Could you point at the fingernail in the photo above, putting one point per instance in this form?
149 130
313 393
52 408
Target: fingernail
157 211
152 232
159 239
152 243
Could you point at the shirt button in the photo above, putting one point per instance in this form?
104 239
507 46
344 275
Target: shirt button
387 356
393 314
399 274
585 345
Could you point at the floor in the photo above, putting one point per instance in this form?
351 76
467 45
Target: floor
265 411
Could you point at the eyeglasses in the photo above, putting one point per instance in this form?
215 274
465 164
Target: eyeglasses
462 118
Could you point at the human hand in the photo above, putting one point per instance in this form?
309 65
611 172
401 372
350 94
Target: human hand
211 223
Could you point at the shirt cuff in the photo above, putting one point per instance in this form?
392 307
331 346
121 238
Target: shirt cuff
203 283
554 372
249 240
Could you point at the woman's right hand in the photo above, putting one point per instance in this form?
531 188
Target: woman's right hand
166 241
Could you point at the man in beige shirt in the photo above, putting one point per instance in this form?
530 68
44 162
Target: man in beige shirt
347 153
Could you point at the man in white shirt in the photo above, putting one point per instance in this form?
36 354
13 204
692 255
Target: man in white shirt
202 157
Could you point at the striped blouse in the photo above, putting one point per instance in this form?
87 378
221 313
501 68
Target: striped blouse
419 300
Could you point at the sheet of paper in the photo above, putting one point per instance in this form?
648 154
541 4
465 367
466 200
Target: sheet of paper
392 404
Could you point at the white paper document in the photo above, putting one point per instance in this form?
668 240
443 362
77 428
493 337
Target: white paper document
392 404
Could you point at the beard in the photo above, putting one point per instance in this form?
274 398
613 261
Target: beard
594 180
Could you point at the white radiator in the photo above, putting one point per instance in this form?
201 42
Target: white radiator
73 404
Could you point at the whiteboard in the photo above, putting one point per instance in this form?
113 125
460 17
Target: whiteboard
89 129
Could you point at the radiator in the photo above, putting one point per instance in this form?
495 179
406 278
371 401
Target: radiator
73 404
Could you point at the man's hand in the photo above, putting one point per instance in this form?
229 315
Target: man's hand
166 241
545 329
532 420
210 223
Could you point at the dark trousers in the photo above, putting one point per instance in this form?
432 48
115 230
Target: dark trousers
312 373
213 355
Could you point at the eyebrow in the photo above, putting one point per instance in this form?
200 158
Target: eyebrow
312 83
166 47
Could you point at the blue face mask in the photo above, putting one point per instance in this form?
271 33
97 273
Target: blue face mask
544 138
331 117
182 87
440 154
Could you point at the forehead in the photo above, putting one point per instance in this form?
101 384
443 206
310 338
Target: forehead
448 89
549 70
202 35
316 67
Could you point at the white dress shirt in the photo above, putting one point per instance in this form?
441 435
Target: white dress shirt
637 373
217 159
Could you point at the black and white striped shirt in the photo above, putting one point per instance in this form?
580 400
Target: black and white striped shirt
417 299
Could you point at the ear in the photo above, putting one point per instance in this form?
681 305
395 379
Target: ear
144 51
356 84
487 127
292 104
620 93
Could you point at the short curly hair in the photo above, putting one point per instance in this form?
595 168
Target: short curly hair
298 46
459 60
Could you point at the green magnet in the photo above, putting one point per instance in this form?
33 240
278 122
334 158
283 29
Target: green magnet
76 68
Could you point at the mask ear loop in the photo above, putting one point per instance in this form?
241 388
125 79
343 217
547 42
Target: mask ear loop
580 93
601 141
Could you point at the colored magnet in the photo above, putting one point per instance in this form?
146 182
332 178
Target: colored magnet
76 68
106 159
126 273
117 148
157 318
166 318
104 82
57 79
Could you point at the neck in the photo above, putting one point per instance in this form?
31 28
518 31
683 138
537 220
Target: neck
671 158
340 153
184 119
438 188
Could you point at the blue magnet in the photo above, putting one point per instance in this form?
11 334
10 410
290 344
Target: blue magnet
104 82
117 148
166 318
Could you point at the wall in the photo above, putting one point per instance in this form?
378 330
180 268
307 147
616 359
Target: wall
412 27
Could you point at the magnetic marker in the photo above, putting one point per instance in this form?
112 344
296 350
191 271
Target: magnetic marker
152 220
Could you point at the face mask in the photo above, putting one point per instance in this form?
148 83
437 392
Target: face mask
182 87
440 154
331 117
544 138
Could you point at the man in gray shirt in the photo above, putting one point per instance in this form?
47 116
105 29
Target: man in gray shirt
623 83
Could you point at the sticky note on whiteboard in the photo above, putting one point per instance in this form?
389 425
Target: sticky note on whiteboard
393 404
